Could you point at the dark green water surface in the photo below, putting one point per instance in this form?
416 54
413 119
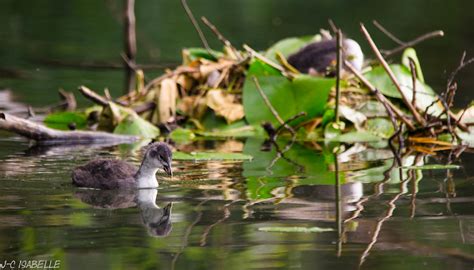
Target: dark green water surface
425 222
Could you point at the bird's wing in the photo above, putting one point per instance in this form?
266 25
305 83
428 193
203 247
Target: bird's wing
104 174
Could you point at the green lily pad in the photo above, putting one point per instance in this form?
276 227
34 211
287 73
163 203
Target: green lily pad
62 120
356 136
381 127
210 156
196 53
295 229
182 135
303 94
135 125
411 53
425 96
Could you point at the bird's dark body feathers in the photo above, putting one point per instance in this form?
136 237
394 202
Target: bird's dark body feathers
105 174
318 56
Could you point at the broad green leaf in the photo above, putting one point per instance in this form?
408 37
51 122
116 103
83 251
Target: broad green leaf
295 229
182 135
289 46
303 94
381 127
236 132
62 120
356 136
191 54
425 96
210 156
135 125
411 53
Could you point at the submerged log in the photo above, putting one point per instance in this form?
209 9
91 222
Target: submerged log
45 135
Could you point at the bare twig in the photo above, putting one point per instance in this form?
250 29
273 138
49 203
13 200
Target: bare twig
387 68
93 96
338 72
266 60
196 26
413 80
289 120
225 41
130 42
414 42
387 33
270 106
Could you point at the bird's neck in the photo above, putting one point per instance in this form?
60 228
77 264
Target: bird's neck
146 176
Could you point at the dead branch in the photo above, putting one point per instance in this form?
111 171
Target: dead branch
270 106
69 100
130 42
266 61
388 33
93 96
387 68
225 41
45 135
404 45
196 26
338 71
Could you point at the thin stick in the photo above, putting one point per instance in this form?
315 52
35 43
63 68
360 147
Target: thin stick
412 43
385 65
338 72
196 26
381 98
130 43
413 80
265 60
267 101
225 41
93 96
387 33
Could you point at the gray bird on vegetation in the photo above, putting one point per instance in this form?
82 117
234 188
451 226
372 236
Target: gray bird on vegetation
320 57
117 174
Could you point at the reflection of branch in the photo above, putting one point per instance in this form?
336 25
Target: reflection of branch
187 233
378 228
208 228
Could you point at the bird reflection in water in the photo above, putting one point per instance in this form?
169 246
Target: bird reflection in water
157 220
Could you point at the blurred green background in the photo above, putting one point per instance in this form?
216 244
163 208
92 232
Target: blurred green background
36 35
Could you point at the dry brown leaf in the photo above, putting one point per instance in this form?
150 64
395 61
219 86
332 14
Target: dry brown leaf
223 104
193 106
167 98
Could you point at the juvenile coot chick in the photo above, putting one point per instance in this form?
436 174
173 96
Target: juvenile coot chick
320 57
115 174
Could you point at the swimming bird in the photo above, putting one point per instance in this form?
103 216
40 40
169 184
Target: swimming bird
320 57
117 174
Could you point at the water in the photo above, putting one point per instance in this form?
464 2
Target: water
220 208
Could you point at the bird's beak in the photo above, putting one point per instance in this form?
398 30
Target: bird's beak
167 169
